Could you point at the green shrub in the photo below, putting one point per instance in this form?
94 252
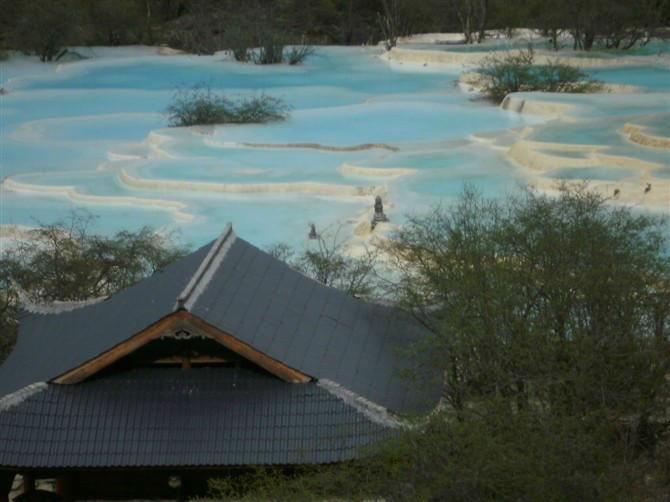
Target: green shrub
258 110
4 55
298 53
201 106
239 43
271 50
515 72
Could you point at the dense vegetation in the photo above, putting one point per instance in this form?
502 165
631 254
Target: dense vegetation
515 72
45 27
65 261
550 321
202 106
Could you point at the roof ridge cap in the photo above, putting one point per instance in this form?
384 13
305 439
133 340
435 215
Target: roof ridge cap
206 269
375 412
17 397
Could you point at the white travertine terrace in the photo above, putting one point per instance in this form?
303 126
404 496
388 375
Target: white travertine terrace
177 208
305 187
536 107
342 133
638 134
383 172
301 146
446 57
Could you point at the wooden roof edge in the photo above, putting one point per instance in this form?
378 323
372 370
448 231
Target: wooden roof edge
104 360
248 352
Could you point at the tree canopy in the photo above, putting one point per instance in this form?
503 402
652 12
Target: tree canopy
45 27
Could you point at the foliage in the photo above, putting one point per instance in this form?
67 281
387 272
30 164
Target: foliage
201 106
239 43
473 17
550 321
65 261
205 26
494 457
200 30
45 28
298 53
271 50
554 305
7 322
325 260
114 22
515 72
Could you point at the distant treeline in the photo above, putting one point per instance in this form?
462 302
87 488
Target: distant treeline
44 27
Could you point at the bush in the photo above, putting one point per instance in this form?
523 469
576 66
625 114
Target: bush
487 458
271 50
201 106
515 72
298 53
239 44
45 27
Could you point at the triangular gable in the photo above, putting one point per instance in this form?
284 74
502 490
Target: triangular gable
168 326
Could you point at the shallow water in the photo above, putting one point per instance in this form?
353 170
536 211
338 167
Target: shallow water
612 173
94 134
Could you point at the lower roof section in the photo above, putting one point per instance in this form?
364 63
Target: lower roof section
201 417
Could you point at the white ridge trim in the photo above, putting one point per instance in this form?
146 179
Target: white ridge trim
373 411
206 270
55 307
16 398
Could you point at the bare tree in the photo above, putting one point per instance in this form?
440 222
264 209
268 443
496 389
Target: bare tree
391 23
473 16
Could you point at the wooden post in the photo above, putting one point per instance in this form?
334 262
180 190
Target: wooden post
185 362
28 483
64 488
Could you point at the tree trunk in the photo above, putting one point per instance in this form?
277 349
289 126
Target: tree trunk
147 19
483 16
589 38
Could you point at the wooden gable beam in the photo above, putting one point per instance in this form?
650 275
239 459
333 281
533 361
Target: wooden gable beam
266 362
93 366
172 321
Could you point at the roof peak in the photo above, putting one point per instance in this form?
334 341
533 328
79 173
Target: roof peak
206 270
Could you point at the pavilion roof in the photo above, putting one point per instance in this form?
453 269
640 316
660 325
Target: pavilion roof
251 301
